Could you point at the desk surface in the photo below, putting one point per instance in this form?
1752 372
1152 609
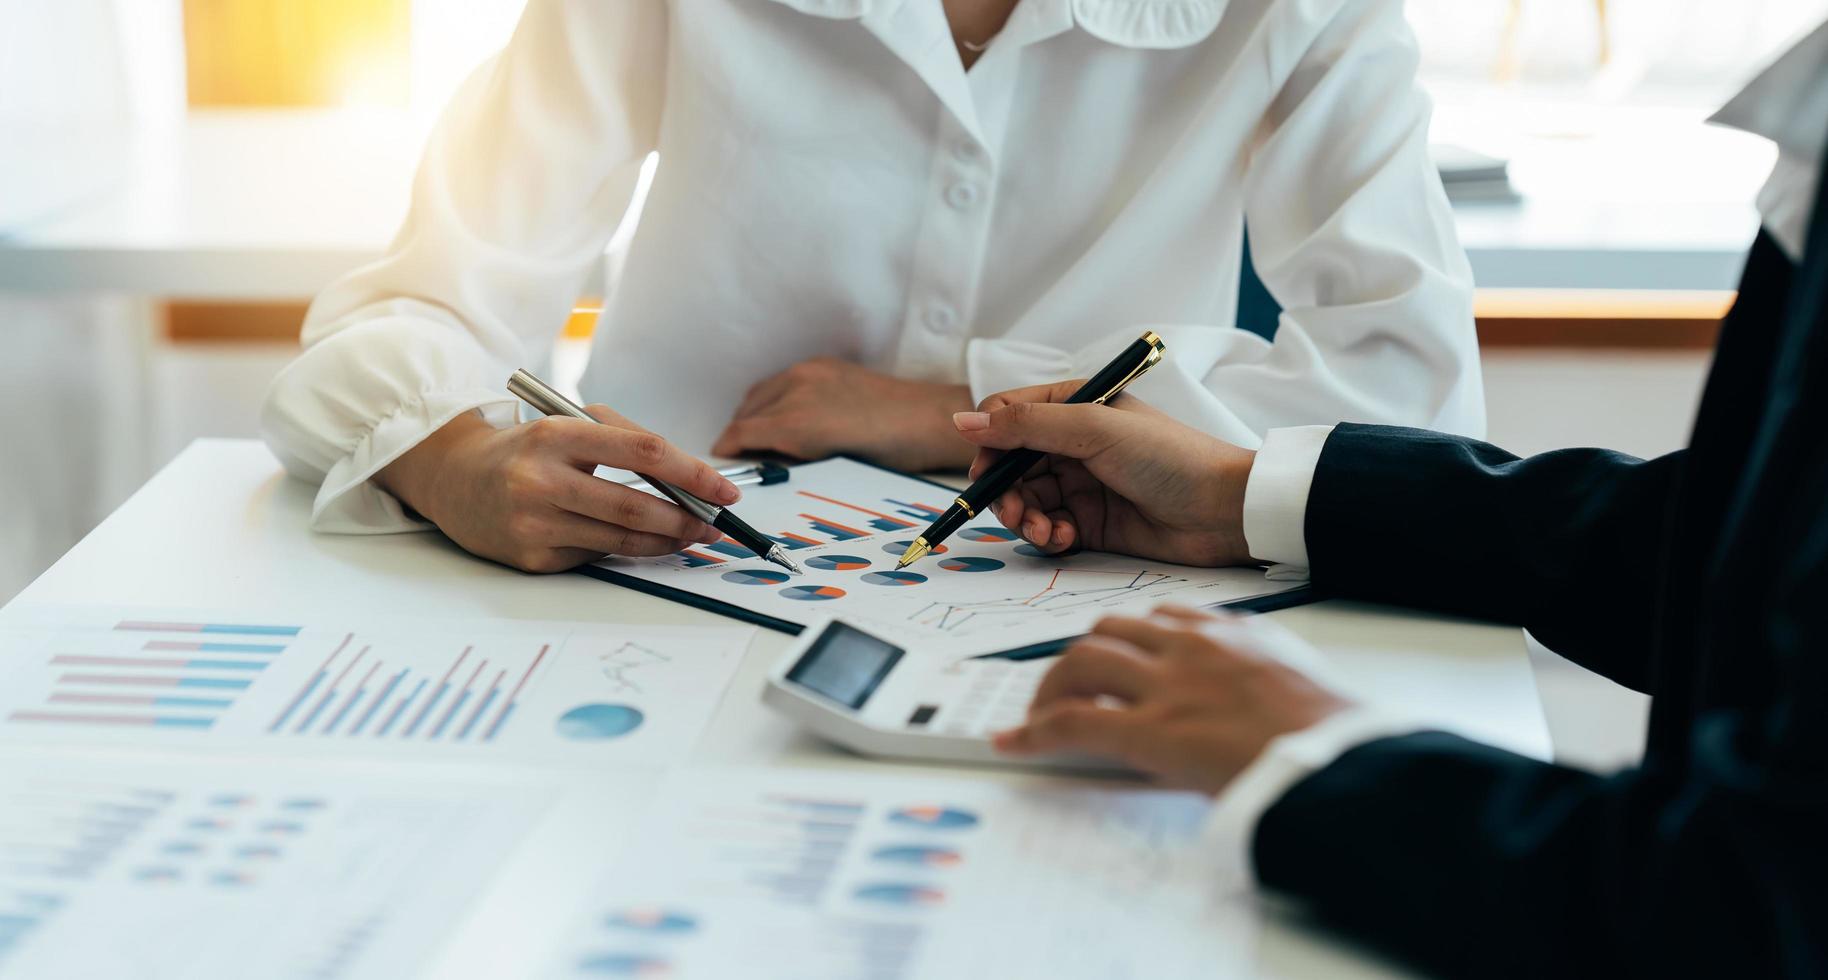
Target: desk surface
222 527
273 204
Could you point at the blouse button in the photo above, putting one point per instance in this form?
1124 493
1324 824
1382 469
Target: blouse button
962 196
941 317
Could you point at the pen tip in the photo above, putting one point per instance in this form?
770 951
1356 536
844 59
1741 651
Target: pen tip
914 553
779 557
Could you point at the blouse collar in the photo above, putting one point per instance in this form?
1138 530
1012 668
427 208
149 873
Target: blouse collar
1130 23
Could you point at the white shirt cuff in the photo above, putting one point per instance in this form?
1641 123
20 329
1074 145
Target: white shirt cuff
1276 499
1284 762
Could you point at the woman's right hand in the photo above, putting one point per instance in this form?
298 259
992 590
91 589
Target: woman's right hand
1121 477
526 495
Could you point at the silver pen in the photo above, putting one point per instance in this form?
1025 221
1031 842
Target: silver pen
548 400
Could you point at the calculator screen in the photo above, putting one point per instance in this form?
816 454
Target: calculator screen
845 664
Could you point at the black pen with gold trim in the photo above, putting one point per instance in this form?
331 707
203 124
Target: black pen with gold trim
1140 356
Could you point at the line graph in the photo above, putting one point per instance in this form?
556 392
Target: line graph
624 665
1067 590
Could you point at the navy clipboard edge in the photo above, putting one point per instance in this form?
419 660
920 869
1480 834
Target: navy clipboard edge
1260 603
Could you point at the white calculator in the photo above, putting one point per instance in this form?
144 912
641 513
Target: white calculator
874 697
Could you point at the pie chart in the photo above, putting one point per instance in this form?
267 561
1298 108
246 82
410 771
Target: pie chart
896 548
894 578
923 855
970 563
595 722
755 576
987 535
838 563
652 920
903 895
935 817
812 593
1031 551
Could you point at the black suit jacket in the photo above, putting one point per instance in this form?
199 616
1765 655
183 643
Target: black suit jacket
1700 578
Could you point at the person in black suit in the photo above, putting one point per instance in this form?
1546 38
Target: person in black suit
1700 577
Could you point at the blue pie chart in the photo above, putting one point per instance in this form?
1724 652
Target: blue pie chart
653 921
935 817
755 576
837 563
595 722
970 563
812 593
1031 551
894 578
986 535
901 895
897 548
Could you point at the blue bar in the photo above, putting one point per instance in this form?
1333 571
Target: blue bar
312 716
832 532
226 664
733 550
465 731
448 715
887 524
166 722
279 723
241 647
789 543
405 706
379 700
252 630
500 720
164 702
917 508
213 682
691 562
337 719
425 712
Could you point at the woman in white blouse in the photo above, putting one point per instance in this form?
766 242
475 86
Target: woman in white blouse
867 215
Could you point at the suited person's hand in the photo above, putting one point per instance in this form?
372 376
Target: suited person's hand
1185 696
1118 477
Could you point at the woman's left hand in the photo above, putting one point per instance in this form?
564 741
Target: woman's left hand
826 406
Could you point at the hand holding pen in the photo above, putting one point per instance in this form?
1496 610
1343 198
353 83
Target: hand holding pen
1009 468
550 401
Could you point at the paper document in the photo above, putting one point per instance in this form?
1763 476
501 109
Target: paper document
487 690
984 589
158 870
810 876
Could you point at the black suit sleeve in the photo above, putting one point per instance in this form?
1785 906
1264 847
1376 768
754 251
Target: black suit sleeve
1565 544
1470 861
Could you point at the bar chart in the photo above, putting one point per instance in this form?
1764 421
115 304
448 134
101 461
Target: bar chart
395 691
166 869
381 687
144 673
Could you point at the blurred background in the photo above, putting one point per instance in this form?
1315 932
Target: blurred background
179 177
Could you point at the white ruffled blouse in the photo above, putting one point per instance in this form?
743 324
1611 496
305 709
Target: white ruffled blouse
832 181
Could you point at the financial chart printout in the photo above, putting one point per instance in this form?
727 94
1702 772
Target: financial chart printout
817 876
984 589
495 690
204 868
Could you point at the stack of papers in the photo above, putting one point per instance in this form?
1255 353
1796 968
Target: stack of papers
189 795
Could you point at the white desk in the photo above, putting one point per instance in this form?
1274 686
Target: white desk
245 204
222 527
